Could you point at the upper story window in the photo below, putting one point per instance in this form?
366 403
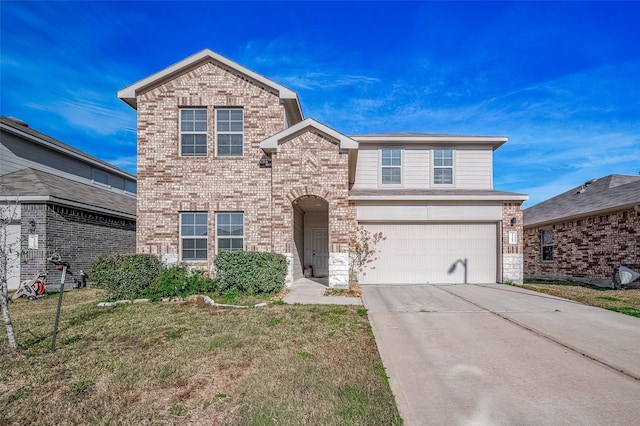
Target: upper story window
130 186
100 177
443 166
193 131
193 235
391 166
229 132
230 230
546 244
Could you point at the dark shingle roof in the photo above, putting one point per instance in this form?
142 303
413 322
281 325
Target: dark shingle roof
607 193
35 183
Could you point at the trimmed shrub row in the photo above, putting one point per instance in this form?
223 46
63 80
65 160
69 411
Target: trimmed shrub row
130 276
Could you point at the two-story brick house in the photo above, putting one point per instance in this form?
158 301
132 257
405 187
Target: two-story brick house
226 160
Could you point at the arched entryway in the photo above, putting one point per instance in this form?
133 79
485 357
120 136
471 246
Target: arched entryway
310 237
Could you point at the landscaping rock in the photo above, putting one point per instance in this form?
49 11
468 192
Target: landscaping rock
106 304
260 305
142 301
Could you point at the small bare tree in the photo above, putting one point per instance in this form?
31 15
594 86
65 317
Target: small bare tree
9 252
363 250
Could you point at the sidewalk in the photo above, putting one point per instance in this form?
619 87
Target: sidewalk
311 292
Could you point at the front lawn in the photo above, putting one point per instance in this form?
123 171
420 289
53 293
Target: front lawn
175 363
623 301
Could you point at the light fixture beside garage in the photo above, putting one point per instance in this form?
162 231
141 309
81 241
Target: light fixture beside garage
514 220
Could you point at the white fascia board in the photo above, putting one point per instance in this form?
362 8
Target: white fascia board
129 93
271 143
85 158
68 203
514 197
495 141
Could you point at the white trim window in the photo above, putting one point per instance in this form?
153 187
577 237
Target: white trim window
546 244
391 166
230 231
229 132
443 166
194 236
193 132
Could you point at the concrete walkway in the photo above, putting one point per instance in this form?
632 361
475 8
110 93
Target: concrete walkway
502 355
311 291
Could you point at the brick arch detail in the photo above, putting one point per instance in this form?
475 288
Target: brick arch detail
308 191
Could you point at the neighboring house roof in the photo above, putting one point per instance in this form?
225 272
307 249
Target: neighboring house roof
22 129
37 186
610 193
289 97
404 138
434 195
271 144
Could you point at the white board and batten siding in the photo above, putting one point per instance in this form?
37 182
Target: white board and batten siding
472 167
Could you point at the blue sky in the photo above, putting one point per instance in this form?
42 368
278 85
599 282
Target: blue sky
560 79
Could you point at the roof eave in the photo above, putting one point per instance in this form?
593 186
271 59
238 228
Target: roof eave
562 219
67 203
129 94
272 143
494 141
514 197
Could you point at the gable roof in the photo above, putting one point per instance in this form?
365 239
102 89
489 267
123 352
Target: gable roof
22 129
38 186
271 143
287 96
610 193
421 138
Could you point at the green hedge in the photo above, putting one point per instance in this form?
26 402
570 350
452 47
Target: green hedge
180 280
125 276
250 272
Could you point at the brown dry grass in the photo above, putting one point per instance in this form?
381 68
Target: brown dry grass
624 301
188 363
354 290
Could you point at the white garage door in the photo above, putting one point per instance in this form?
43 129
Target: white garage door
420 253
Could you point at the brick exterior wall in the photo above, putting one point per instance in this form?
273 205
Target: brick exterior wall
586 249
79 237
312 165
169 184
308 165
512 254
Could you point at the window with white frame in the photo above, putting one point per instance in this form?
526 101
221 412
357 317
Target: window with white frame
229 132
391 166
193 132
546 244
194 236
443 166
230 231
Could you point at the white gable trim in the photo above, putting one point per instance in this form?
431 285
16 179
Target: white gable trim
272 143
128 94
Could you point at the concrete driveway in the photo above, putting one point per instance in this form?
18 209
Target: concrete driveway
495 354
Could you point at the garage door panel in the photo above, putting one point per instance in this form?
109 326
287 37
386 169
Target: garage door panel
424 253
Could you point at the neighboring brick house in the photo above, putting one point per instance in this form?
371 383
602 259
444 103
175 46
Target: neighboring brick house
584 233
226 160
68 202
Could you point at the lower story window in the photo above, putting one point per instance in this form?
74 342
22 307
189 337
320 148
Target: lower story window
194 235
546 242
230 231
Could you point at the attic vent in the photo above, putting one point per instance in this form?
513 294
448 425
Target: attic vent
585 185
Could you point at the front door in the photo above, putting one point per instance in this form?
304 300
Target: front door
320 252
